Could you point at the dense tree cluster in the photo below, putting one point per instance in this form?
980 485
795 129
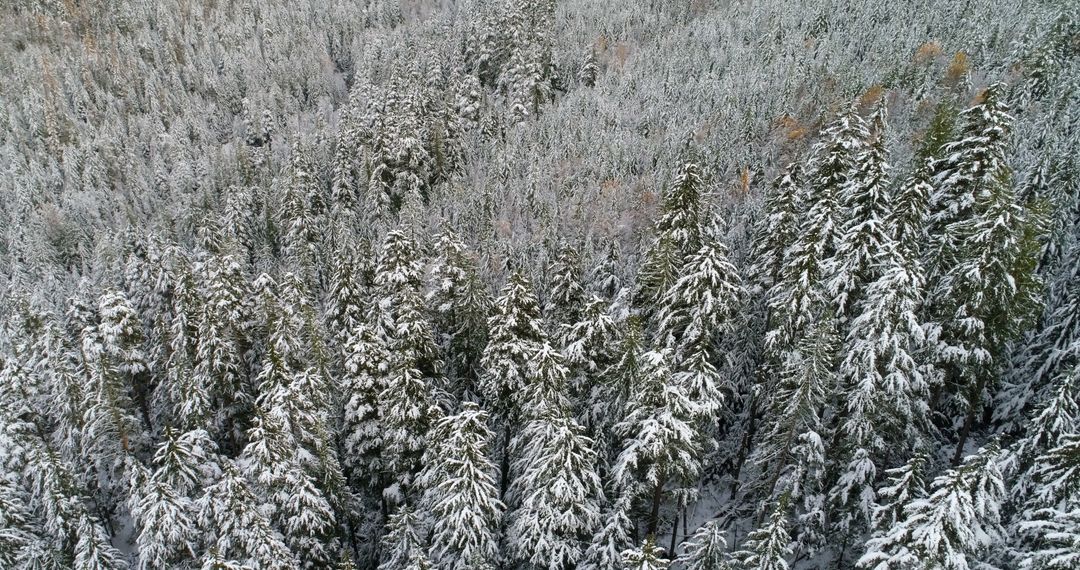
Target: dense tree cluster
502 284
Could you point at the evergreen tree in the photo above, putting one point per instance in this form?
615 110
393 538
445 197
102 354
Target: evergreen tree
908 217
698 308
461 304
796 401
516 333
648 557
240 530
768 547
604 278
864 197
366 362
309 521
661 448
903 485
1057 538
682 214
588 71
301 205
883 383
778 228
556 492
960 517
970 165
658 272
15 519
219 342
165 519
413 365
606 549
591 351
111 356
706 549
402 543
460 492
567 294
184 462
1051 352
882 371
983 287
347 298
678 233
94 550
809 264
405 417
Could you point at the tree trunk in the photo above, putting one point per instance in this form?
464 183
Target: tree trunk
654 512
744 448
969 420
675 532
504 476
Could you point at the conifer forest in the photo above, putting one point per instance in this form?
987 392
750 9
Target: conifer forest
539 284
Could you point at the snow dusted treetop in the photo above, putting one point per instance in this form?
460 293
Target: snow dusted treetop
960 518
516 334
403 544
678 235
706 549
648 557
681 215
661 444
865 199
701 304
769 546
778 229
694 314
969 168
567 297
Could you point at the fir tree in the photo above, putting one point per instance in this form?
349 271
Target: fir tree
461 304
960 517
903 485
309 521
111 353
661 447
706 549
648 557
698 308
460 492
402 543
516 334
165 519
567 297
678 236
768 547
588 71
778 228
186 461
366 362
606 549
94 550
796 400
809 263
240 530
556 492
591 350
983 287
865 200
1057 542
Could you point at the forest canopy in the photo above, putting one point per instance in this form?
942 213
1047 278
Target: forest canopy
526 284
